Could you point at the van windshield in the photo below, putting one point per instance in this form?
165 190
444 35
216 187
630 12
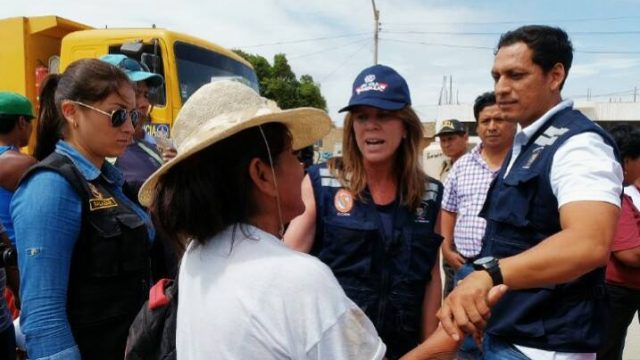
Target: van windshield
198 66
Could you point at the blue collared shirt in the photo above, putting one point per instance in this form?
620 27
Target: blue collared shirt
47 217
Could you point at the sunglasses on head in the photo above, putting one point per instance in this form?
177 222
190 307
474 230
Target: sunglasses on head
118 117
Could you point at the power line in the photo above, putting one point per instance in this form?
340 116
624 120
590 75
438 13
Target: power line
342 63
440 44
304 40
615 93
515 21
613 52
325 50
427 43
476 33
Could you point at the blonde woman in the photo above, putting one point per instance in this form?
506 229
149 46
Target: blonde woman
371 215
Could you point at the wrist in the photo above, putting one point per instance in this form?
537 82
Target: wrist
490 266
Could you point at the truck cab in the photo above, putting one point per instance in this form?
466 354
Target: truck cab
36 46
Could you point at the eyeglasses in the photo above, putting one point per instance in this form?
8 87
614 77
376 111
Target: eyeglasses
118 117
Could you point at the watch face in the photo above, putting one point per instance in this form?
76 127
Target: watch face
484 260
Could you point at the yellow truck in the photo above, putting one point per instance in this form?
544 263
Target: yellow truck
33 47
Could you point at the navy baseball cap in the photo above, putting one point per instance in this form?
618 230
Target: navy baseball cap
381 87
134 70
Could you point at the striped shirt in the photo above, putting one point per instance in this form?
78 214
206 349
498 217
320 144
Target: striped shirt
464 194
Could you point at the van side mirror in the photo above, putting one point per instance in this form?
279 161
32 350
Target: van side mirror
132 49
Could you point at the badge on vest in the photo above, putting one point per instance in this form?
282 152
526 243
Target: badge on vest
99 201
343 202
534 155
421 213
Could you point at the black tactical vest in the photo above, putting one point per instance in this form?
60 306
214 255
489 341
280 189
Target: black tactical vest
109 275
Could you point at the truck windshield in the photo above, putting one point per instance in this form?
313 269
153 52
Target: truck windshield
198 66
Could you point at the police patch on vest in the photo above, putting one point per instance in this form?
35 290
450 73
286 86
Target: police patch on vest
97 204
99 201
343 201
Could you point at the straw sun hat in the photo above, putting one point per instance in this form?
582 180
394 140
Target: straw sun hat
223 108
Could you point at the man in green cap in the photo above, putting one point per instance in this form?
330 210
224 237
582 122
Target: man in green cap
16 114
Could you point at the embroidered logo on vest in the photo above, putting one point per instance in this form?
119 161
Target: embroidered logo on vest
545 139
421 213
550 136
99 201
534 155
343 201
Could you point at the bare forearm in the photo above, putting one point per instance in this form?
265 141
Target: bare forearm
438 346
431 303
560 258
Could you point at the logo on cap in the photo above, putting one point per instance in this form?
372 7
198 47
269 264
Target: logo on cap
370 84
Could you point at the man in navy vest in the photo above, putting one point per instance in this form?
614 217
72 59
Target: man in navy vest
551 214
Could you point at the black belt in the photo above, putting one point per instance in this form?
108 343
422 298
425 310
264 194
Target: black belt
469 260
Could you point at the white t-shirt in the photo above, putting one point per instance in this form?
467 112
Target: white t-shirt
245 295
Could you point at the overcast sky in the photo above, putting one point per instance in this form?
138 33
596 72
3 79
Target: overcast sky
424 40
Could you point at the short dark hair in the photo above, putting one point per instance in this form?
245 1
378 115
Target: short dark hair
482 101
550 45
627 139
8 123
210 190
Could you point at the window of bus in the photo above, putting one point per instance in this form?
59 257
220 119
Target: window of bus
198 66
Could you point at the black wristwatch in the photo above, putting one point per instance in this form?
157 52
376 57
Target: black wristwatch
490 265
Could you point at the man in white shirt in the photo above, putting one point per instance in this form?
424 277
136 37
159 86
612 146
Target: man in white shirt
551 214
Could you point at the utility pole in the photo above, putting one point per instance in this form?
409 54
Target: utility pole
376 28
450 89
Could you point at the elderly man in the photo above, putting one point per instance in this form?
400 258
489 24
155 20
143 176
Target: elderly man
551 214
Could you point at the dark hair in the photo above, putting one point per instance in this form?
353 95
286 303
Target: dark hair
550 45
482 101
8 123
627 139
210 190
85 80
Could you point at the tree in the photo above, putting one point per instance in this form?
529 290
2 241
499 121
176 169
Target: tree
279 83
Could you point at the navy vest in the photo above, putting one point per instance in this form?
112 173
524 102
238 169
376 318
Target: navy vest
521 211
110 270
385 276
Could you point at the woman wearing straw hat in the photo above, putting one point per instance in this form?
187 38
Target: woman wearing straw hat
82 244
227 195
371 215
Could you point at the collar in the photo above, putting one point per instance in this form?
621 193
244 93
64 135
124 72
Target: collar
476 154
526 133
89 171
4 148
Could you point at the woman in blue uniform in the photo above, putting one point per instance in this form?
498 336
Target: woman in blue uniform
371 215
82 245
